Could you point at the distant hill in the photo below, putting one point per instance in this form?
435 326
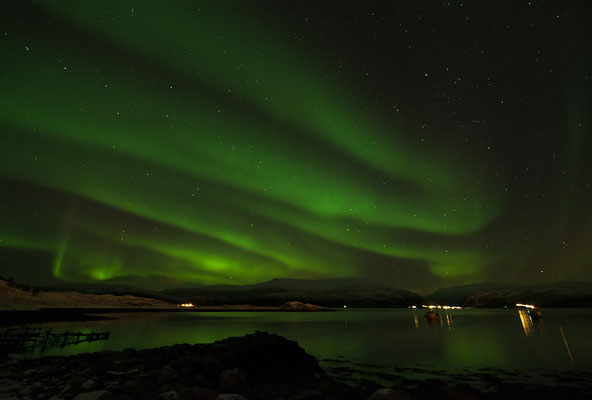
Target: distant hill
18 297
106 288
460 295
326 292
558 294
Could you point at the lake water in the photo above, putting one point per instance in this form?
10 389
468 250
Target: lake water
469 338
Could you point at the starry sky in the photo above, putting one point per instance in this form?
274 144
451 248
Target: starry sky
418 144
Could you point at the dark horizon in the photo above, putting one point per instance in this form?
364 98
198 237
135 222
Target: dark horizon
411 145
119 288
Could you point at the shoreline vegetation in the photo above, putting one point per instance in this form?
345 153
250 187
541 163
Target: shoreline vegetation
258 366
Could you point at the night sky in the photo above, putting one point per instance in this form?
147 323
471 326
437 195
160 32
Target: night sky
418 144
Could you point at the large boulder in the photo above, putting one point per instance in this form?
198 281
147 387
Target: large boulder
88 385
233 381
268 356
167 375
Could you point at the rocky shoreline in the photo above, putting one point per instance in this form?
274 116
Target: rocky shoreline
257 366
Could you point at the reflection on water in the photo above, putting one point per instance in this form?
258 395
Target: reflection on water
31 341
566 345
434 319
527 323
449 321
469 337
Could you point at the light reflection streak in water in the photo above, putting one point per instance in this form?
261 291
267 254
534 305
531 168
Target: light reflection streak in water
431 323
449 321
526 321
565 343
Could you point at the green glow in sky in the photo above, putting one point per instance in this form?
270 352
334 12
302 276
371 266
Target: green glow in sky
209 143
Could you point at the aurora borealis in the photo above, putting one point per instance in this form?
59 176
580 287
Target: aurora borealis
416 144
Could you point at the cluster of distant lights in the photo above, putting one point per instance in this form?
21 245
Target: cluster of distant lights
432 306
525 306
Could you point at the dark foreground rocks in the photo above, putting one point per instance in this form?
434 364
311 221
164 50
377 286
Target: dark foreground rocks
257 366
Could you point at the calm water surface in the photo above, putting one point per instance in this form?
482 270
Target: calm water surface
386 337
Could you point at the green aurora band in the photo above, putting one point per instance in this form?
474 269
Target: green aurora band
176 144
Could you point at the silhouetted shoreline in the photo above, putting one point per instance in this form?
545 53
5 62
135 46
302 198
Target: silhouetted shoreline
22 317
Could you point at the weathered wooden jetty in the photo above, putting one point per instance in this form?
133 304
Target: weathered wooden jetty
13 340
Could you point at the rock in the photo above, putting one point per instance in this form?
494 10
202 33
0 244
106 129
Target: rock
96 395
9 386
111 385
388 394
211 365
271 364
167 375
172 395
200 379
54 397
270 356
133 385
119 373
88 385
309 395
164 388
26 391
230 396
9 362
37 387
198 393
233 381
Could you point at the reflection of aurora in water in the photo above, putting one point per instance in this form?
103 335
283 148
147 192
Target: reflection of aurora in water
207 144
475 338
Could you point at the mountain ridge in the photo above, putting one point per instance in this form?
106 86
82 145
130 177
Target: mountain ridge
336 292
352 292
554 294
